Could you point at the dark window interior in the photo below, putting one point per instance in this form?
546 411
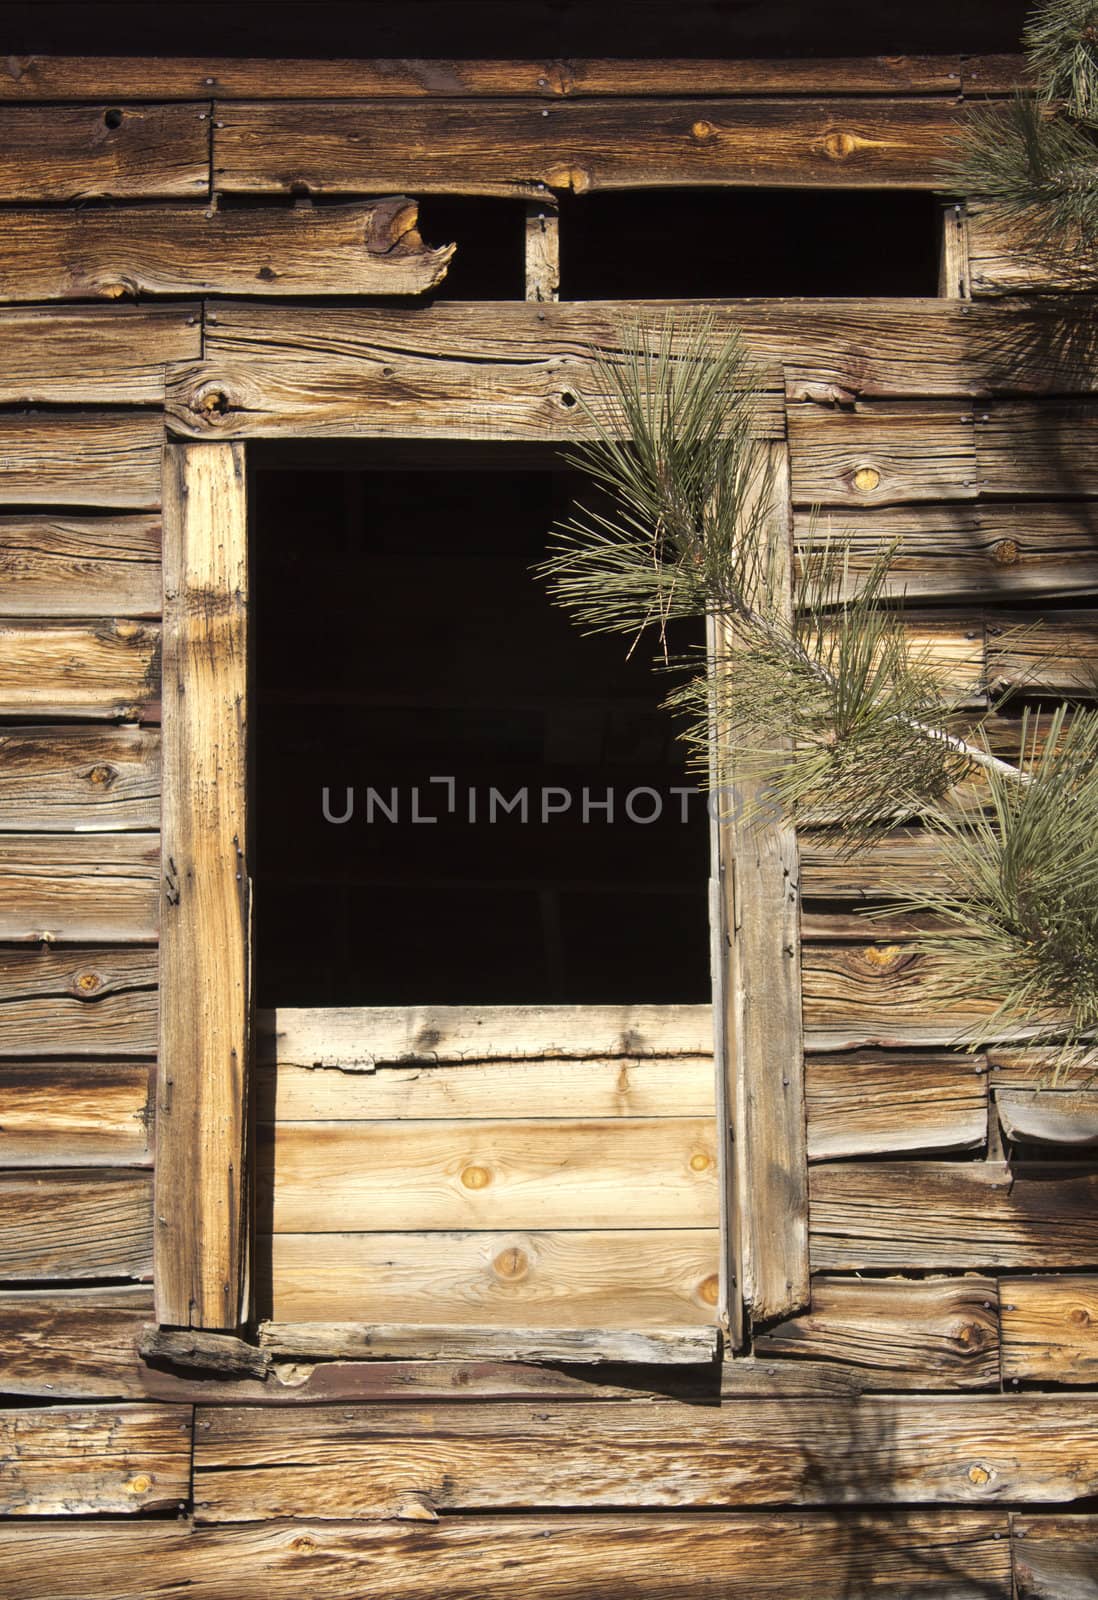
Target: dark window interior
401 636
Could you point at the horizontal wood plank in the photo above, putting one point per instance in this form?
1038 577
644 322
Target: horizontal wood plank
253 1462
629 1278
880 453
77 1224
903 1215
1055 1558
1037 447
74 1114
1050 1329
874 995
1049 1116
772 1555
942 1333
1051 653
80 566
448 147
107 668
336 1177
874 1102
96 888
999 266
684 1346
83 779
102 151
372 247
94 1461
81 458
78 1002
90 355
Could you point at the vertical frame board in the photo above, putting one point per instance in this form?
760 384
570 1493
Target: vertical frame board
763 1035
202 1212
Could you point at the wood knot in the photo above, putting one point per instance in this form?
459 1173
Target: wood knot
1006 552
709 1289
303 1544
87 984
700 1161
971 1336
866 479
839 144
476 1177
575 178
102 774
883 957
139 1485
979 1475
1080 1316
211 403
512 1264
704 132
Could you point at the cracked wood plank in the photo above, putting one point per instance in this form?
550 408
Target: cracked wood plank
58 566
72 153
97 888
94 1461
81 458
78 1002
82 779
75 1224
107 669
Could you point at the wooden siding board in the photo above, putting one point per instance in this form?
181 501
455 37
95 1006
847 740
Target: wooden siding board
1050 1329
78 1002
106 669
872 1102
880 453
679 1346
59 1461
1057 1117
74 1114
1051 653
90 355
61 780
92 888
1055 1558
1037 447
72 153
56 566
76 1224
81 458
874 995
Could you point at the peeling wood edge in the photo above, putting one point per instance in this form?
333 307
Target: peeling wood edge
685 1346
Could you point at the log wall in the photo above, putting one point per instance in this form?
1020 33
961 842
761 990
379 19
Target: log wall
926 1425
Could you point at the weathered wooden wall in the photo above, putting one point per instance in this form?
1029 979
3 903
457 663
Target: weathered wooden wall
926 1424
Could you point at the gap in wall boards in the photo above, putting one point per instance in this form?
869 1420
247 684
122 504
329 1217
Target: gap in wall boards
410 662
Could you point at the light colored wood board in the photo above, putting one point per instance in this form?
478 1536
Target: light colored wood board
579 1278
954 281
106 669
88 355
542 252
336 1177
363 1036
1000 267
672 1087
80 566
205 903
60 780
1049 1116
1037 447
332 147
1055 1558
873 1102
881 453
874 995
58 77
97 888
938 1333
684 1346
984 550
94 1461
74 1114
1054 653
1050 1329
99 152
370 247
960 1215
75 1225
776 1556
78 1002
252 1463
81 458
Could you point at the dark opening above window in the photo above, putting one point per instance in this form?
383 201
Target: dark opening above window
711 243
401 638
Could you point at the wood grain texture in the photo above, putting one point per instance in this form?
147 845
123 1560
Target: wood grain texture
902 1215
542 253
80 458
874 995
253 1462
97 888
74 1114
874 1102
923 1556
689 1346
1049 1116
1051 653
1037 447
372 247
101 152
879 453
201 1236
95 1224
339 1177
1000 267
578 1278
80 566
91 355
1050 1329
449 147
1055 1558
93 1461
941 1333
107 669
78 1002
59 780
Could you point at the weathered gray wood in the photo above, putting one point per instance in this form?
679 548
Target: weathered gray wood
100 888
201 1198
334 147
74 1114
1037 1068
78 1002
207 1352
903 1215
880 453
921 1555
542 253
107 668
1054 653
93 152
688 1346
55 780
80 458
75 1225
90 355
80 566
1037 447
1055 1558
1049 1116
873 1102
1050 1329
369 247
874 995
100 1459
942 1333
255 1462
